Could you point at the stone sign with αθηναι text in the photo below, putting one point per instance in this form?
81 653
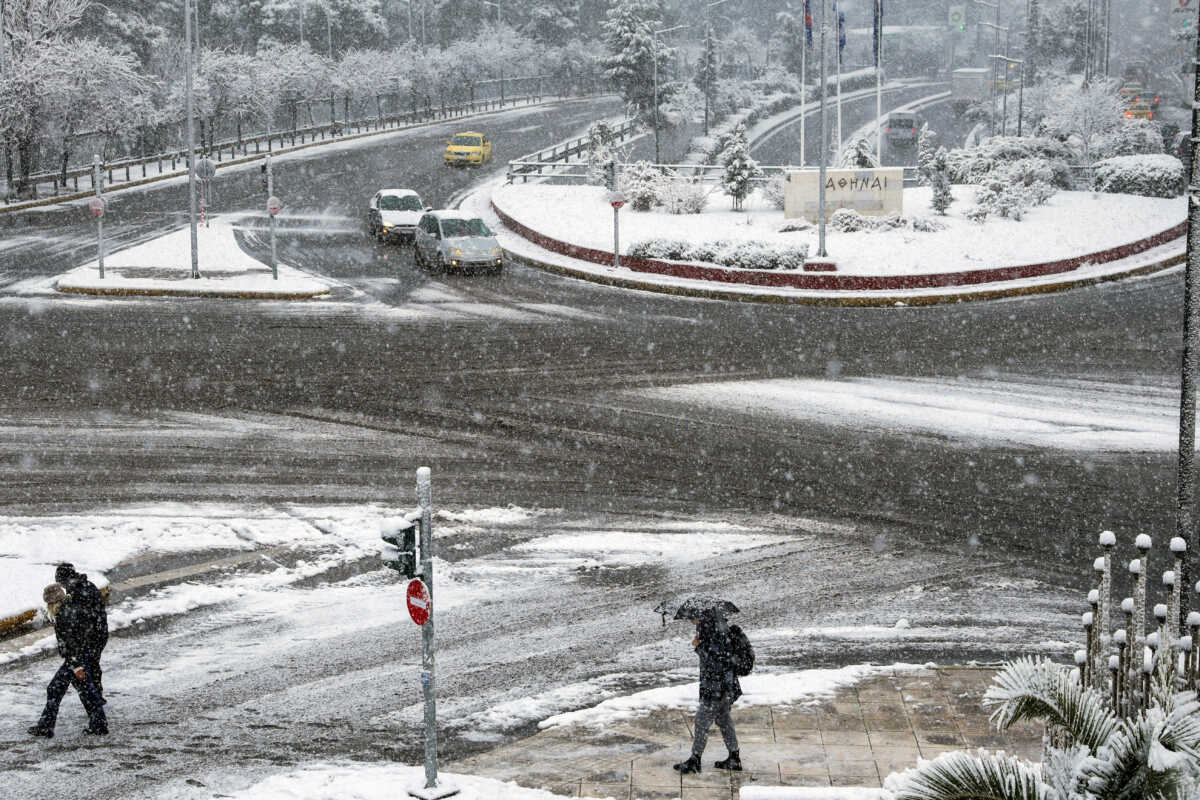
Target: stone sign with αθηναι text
873 192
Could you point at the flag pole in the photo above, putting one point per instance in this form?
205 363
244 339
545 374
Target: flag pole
803 87
878 80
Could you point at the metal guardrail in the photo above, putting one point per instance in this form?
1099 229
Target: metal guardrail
126 169
558 155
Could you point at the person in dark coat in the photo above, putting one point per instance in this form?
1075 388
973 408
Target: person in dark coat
72 628
719 688
83 594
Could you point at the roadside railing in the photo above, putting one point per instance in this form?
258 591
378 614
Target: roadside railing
557 158
52 183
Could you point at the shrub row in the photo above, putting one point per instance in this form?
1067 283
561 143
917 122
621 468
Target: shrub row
742 255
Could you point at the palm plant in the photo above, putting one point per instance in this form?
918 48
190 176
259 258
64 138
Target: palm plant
1152 754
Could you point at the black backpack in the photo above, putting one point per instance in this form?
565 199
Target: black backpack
742 656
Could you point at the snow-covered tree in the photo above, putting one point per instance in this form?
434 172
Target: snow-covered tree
859 154
98 91
926 142
1082 114
938 177
740 168
600 152
632 51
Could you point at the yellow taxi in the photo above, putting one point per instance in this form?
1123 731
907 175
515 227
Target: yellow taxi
467 148
1139 110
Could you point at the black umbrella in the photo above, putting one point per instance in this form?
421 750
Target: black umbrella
697 604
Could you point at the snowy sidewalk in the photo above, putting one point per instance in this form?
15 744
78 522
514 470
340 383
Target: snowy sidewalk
855 736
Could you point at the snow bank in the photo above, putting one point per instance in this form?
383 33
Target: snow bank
1070 224
164 265
353 781
758 689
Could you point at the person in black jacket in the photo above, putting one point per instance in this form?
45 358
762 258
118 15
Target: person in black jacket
719 688
73 628
84 594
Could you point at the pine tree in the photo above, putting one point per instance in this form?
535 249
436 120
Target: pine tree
859 155
926 139
740 168
630 63
939 179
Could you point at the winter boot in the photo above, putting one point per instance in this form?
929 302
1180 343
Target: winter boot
733 762
96 730
38 730
689 766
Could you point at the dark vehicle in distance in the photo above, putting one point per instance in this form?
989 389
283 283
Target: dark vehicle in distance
902 128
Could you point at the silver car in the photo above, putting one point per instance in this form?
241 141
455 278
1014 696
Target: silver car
451 240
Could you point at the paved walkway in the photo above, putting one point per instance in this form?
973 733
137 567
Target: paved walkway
856 738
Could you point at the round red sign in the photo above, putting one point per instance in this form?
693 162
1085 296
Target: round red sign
419 605
96 205
273 205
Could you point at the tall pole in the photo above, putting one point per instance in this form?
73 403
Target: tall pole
824 147
98 183
425 501
271 217
654 54
329 33
1186 498
191 136
803 83
1020 98
878 79
410 24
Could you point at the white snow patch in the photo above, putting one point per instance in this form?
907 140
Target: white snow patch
1072 415
355 781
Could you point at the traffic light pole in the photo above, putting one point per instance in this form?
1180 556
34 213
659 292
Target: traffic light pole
432 790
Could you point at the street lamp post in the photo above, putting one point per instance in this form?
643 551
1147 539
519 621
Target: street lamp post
993 59
991 64
654 57
1008 64
824 148
707 67
191 137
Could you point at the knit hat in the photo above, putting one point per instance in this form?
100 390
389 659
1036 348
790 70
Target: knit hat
54 593
64 572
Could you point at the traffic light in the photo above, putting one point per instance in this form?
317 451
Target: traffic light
400 549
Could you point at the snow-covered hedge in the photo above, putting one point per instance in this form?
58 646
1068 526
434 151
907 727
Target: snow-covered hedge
972 164
1156 175
742 255
1131 138
847 220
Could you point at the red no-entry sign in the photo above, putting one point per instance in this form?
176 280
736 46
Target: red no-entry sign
96 205
419 605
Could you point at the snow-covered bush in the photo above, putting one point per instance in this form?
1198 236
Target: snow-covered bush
847 220
1148 175
1132 138
740 168
742 255
796 225
642 185
680 195
599 152
775 190
971 164
669 249
927 225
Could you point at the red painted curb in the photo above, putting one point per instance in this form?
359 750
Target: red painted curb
827 282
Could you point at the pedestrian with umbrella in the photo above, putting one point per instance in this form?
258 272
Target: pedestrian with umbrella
720 664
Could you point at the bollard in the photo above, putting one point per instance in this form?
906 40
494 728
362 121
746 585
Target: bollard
1179 551
1121 679
1143 544
1193 623
1100 636
1127 638
1081 664
1114 667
